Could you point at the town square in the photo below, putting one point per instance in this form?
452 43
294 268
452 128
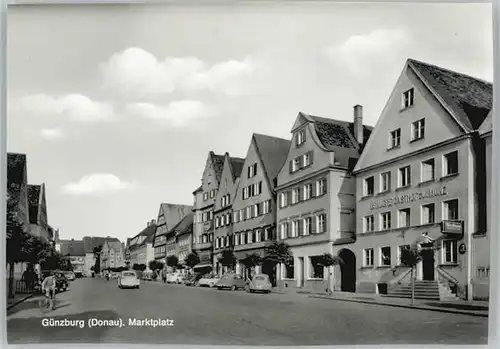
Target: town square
188 200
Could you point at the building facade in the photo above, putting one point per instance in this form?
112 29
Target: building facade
316 199
141 246
184 237
254 214
38 212
91 243
417 179
75 251
481 240
168 216
204 201
223 213
112 255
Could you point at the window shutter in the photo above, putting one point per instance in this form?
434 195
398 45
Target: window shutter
290 165
260 187
313 225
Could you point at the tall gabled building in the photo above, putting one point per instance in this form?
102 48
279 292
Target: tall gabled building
420 180
223 213
254 216
316 196
204 201
38 212
168 216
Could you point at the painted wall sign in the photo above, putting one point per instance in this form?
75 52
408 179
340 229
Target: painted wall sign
403 199
204 258
462 248
452 227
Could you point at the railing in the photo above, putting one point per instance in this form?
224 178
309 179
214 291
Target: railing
453 284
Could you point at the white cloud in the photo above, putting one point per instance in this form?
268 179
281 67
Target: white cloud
97 184
362 53
75 107
137 73
52 133
176 114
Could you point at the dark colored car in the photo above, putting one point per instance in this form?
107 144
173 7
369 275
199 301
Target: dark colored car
191 280
231 281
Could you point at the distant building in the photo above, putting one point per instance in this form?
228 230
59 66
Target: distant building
90 243
183 237
75 251
112 254
141 246
168 217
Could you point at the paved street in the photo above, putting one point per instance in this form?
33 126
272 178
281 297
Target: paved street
205 316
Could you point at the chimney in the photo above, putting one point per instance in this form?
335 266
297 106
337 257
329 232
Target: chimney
358 123
147 224
153 221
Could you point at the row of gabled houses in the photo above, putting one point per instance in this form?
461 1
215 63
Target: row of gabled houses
421 176
30 202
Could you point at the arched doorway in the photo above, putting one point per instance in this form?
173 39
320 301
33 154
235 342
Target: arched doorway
347 270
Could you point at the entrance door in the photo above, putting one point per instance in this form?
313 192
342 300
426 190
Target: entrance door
427 265
301 272
347 270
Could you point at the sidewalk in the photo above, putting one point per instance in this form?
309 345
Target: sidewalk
473 308
18 299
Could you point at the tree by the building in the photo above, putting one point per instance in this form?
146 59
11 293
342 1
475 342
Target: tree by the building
172 261
227 259
327 260
251 261
192 260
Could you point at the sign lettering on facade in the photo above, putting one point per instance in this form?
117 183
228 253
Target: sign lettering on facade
452 227
407 198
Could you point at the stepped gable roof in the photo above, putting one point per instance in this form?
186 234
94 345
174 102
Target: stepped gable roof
72 248
33 201
469 98
273 152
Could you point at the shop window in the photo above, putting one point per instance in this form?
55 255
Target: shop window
317 270
290 270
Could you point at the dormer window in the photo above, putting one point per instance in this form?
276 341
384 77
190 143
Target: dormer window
408 98
301 137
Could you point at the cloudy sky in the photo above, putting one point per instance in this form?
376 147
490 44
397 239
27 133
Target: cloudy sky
117 107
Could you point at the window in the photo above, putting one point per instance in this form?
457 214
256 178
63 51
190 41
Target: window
404 176
450 251
369 224
307 226
404 218
450 163
308 191
268 233
245 193
249 212
236 239
395 138
450 210
283 199
295 164
283 231
321 223
385 221
418 130
236 216
428 214
205 196
368 257
250 237
258 235
408 98
295 228
368 186
301 137
289 270
307 159
212 193
317 268
385 256
295 195
252 170
217 222
428 170
385 182
266 205
242 215
321 187
256 210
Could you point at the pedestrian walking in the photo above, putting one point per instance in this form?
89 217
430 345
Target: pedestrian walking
28 278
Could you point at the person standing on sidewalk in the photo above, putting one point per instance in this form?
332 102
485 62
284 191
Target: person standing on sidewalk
29 278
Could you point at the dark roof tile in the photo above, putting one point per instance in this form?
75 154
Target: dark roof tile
90 242
237 166
72 247
273 153
469 98
185 226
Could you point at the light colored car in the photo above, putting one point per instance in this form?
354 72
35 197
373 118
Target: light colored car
176 278
208 280
231 281
128 279
259 283
70 276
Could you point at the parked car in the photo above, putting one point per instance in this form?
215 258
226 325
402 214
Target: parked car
69 275
192 280
176 278
231 281
208 280
259 283
128 279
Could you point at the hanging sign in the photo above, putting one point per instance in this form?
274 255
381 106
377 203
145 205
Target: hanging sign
462 248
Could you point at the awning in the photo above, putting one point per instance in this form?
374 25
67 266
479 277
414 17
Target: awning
205 265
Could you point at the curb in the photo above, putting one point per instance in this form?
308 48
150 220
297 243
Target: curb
402 306
20 301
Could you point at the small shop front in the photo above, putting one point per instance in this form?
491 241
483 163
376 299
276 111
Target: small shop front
205 265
